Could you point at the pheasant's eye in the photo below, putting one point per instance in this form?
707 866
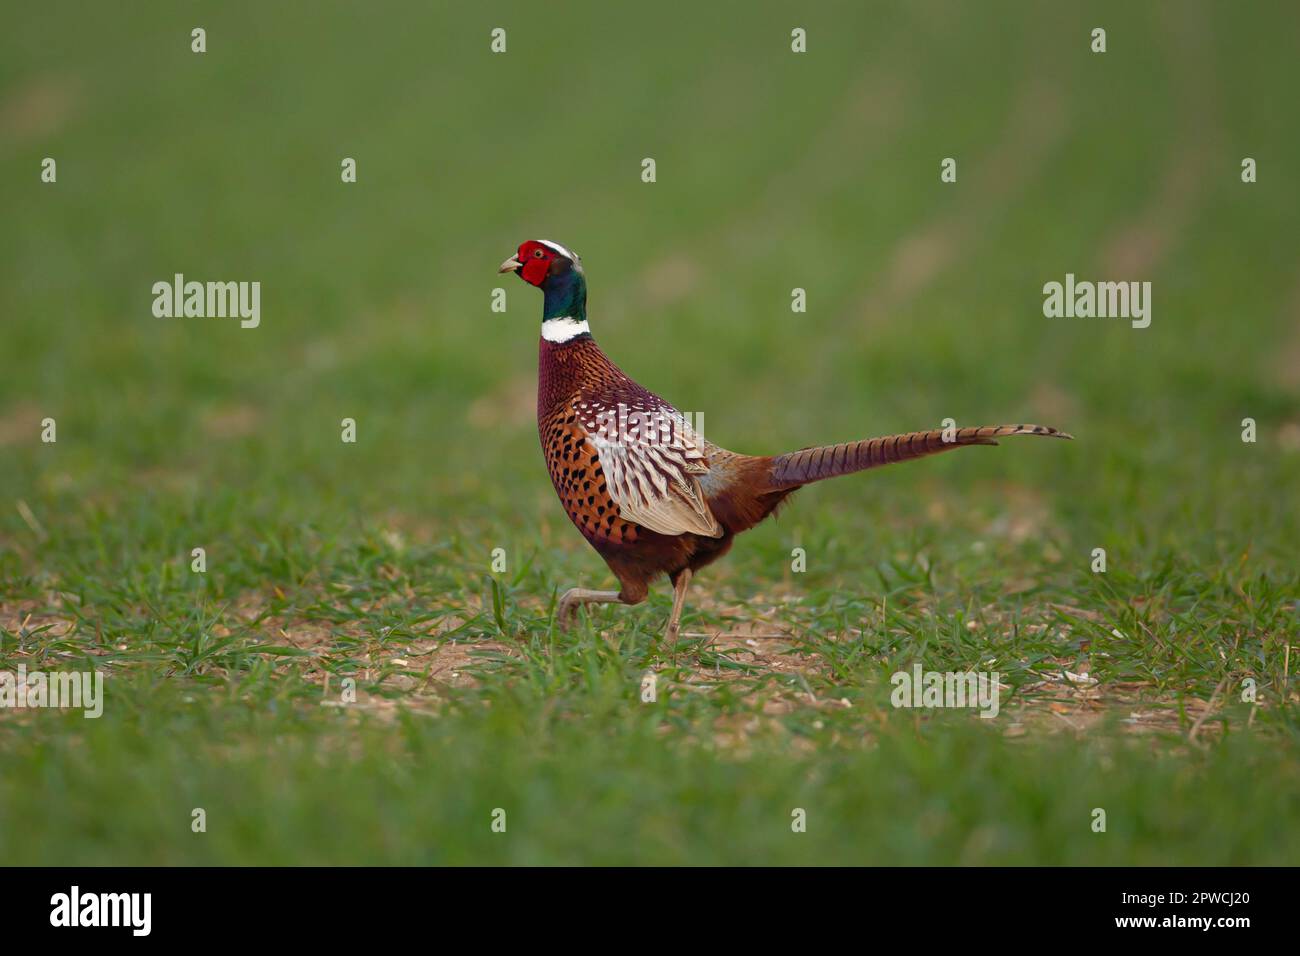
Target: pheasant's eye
537 253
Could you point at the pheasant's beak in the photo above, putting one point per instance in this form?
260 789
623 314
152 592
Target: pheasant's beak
510 265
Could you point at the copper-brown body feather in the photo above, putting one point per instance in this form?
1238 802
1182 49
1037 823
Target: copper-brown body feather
703 493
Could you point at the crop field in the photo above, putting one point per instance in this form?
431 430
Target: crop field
360 662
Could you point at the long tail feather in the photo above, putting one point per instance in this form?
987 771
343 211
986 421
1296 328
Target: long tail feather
828 461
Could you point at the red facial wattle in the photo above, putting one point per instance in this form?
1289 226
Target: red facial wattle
535 268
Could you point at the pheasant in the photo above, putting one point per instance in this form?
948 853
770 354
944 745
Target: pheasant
646 490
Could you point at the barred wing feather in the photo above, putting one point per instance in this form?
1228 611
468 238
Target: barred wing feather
650 457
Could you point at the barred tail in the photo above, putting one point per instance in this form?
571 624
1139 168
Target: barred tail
816 464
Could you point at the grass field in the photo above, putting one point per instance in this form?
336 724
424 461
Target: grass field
372 561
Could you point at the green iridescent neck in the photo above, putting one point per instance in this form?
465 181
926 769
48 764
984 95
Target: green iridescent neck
565 296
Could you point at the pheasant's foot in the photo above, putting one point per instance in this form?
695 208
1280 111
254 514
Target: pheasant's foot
566 611
680 583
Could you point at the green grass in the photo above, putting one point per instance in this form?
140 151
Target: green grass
372 561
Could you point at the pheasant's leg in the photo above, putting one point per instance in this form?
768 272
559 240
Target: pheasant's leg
567 609
680 584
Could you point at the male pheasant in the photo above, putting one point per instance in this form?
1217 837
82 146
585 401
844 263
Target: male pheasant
648 493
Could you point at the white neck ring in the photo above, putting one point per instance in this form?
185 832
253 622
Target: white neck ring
563 329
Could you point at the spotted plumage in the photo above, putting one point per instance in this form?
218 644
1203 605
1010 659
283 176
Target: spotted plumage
649 494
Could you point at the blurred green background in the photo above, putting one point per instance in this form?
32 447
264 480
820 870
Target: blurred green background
775 170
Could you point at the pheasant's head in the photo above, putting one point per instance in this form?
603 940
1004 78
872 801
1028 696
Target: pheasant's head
539 260
557 271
